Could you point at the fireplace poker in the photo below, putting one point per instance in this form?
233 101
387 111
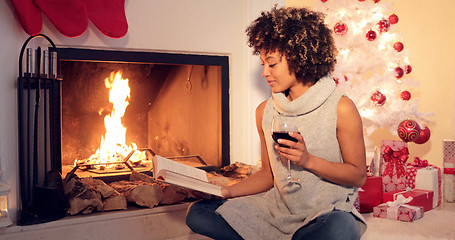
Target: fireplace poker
37 100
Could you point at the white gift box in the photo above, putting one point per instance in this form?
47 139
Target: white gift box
428 179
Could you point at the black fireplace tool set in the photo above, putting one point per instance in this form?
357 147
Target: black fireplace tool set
42 196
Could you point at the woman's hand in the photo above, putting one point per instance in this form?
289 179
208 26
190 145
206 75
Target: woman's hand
296 151
225 193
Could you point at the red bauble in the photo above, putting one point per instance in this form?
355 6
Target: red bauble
424 135
323 0
371 35
399 72
337 80
383 25
408 130
405 95
393 19
340 28
407 69
376 1
398 46
378 98
361 0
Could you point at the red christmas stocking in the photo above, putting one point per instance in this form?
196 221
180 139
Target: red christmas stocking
108 16
68 16
29 16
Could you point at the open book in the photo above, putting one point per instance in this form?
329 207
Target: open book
183 175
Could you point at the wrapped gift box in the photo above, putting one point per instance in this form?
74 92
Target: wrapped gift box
421 175
370 195
449 170
394 155
405 213
423 198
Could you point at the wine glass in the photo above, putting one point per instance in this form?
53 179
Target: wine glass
281 126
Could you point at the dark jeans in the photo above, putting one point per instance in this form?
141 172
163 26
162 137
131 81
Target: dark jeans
202 219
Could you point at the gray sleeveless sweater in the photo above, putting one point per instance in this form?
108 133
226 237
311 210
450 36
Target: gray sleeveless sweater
279 212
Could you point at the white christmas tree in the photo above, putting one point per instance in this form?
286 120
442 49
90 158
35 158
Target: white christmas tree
373 67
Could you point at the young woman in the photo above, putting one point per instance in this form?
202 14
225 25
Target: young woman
298 54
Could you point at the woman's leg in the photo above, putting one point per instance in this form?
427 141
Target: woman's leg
333 225
202 219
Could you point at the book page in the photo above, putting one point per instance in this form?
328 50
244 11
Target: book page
192 183
161 163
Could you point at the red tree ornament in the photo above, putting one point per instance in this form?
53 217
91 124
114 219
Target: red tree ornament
340 28
384 25
323 1
371 35
399 72
376 1
408 130
337 80
398 46
378 98
408 69
424 135
405 95
393 19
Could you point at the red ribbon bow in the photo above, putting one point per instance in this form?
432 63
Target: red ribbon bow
419 163
395 160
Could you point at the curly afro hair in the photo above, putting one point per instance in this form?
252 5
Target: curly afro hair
301 35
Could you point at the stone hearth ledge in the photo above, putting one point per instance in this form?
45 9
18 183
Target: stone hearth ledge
162 222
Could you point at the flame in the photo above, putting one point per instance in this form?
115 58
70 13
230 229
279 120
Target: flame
113 141
113 147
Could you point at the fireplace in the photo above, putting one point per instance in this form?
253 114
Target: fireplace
178 107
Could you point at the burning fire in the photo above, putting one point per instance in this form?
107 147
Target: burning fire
113 148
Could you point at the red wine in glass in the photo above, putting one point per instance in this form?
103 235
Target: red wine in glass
283 135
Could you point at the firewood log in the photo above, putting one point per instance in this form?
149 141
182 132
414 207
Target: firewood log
140 193
137 176
172 193
115 202
81 198
98 185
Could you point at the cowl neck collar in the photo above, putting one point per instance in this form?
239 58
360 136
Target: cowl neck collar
314 97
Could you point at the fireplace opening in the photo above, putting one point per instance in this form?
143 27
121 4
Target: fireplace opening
176 107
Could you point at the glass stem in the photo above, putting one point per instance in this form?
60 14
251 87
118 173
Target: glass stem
289 170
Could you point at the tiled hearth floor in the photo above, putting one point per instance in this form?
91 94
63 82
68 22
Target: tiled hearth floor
168 222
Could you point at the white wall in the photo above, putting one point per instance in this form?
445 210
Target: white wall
9 51
198 26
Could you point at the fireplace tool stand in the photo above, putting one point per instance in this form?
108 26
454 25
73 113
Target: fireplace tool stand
39 96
